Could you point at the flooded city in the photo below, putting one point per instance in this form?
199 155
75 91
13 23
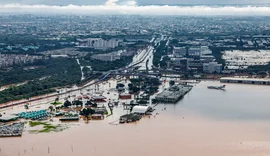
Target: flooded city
206 122
134 78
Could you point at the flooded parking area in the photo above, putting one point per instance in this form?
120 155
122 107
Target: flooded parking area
234 122
236 59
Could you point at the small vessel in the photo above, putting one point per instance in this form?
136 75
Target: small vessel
217 87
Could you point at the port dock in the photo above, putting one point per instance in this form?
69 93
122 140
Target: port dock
245 80
174 93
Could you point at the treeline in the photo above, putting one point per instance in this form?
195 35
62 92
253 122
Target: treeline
62 72
98 65
48 67
32 88
161 50
30 40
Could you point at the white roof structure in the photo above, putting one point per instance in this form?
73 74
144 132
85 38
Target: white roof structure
8 117
140 109
245 79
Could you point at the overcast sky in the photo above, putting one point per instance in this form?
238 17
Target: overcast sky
136 7
140 2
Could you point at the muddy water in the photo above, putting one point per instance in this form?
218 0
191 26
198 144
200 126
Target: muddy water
235 122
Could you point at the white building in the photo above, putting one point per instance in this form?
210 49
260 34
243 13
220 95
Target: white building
205 50
99 43
140 109
212 67
179 51
194 51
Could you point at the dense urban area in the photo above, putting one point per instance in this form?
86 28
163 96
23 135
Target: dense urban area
72 67
44 52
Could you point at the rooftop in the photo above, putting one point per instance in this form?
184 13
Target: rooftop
244 79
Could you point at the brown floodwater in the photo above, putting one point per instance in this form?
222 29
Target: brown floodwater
235 122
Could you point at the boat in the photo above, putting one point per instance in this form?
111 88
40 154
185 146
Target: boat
217 87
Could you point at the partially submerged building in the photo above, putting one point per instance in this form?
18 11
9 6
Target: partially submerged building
141 109
8 118
132 117
173 94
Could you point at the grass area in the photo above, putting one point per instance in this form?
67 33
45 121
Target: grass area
56 103
46 127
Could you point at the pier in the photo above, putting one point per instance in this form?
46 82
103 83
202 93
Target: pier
245 80
173 94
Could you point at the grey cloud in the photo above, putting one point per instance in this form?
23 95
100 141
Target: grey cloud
138 10
140 2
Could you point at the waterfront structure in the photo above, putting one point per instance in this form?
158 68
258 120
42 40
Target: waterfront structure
245 80
141 109
173 94
70 116
129 118
212 67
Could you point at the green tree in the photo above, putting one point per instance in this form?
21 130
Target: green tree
51 108
172 83
67 103
86 112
